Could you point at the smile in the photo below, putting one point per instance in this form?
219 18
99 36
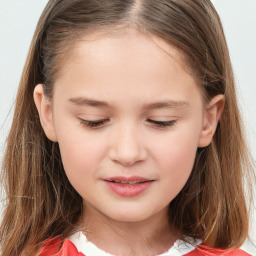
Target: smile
129 182
128 187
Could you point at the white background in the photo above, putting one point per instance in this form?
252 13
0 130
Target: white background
18 19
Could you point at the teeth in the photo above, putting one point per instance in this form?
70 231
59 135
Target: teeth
127 182
133 182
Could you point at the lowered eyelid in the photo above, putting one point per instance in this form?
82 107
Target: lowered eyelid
92 117
162 118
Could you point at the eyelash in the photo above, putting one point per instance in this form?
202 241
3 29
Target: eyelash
100 123
162 124
93 124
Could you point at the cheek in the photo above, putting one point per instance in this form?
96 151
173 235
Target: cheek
80 153
176 159
178 163
80 160
77 147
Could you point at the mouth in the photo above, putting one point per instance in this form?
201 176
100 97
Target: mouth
128 183
128 186
128 180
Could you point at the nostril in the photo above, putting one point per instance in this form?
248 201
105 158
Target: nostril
125 162
127 158
127 148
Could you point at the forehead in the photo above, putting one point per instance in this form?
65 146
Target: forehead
122 45
105 62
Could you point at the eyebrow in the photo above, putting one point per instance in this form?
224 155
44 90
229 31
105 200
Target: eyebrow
172 104
82 101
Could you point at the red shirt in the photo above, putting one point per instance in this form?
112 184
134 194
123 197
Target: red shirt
58 247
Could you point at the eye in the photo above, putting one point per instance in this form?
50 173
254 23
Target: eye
162 124
94 123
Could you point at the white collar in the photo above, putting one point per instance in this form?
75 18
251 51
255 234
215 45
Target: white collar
179 248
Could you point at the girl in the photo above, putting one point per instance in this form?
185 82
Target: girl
126 137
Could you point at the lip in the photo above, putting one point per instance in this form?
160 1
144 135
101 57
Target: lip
128 186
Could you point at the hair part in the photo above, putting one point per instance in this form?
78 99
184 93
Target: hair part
36 186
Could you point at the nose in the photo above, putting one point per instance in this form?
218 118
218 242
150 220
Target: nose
127 147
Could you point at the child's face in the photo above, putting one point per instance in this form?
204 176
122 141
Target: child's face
147 117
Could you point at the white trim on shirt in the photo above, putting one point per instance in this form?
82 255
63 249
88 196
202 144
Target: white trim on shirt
179 248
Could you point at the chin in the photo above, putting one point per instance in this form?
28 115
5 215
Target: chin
129 216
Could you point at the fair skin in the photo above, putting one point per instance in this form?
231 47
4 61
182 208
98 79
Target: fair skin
148 119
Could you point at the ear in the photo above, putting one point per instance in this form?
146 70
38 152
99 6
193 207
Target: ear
45 110
212 116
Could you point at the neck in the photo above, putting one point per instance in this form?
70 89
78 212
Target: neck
148 237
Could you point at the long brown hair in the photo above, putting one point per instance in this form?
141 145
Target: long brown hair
211 206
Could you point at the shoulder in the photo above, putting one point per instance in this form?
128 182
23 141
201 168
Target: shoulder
203 250
58 247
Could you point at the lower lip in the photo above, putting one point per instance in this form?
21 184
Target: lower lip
128 190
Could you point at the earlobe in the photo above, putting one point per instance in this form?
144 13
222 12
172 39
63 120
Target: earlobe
212 116
44 108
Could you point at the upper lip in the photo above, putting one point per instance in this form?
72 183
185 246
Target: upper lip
131 179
